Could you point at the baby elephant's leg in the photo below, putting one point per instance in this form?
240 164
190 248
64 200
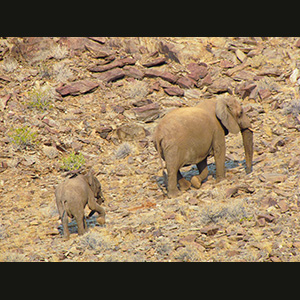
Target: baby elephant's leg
64 220
81 223
203 172
96 207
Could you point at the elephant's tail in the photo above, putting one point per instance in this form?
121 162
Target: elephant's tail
158 147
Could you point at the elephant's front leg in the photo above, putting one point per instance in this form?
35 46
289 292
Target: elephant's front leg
219 155
94 206
203 172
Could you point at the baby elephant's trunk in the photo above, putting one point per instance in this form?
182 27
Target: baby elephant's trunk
100 197
248 146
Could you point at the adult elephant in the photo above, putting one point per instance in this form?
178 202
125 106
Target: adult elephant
188 135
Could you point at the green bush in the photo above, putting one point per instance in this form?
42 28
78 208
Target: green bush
23 138
72 162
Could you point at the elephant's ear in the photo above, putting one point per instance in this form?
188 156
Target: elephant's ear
90 177
223 113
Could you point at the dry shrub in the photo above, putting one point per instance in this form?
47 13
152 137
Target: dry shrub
233 211
138 90
123 151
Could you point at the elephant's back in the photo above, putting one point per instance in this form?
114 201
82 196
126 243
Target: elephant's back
184 126
184 119
73 189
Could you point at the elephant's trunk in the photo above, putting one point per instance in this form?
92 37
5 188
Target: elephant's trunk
248 146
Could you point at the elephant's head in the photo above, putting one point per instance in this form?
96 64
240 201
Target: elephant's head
95 186
234 119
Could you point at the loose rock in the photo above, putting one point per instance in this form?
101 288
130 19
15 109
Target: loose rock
77 87
147 113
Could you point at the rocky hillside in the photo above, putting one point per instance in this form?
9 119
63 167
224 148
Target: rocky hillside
98 100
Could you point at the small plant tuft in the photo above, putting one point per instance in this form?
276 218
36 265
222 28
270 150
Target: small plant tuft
23 138
72 162
40 98
123 151
232 212
292 107
138 90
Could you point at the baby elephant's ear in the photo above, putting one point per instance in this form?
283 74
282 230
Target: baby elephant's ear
224 113
90 176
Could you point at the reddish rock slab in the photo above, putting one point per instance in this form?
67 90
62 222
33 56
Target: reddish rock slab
174 91
220 85
74 43
111 75
225 64
269 71
5 78
97 51
264 93
209 230
272 177
268 217
115 64
118 109
77 87
197 71
147 113
163 75
243 75
169 50
207 80
185 82
245 89
156 62
104 131
154 87
297 44
168 77
98 39
133 72
4 100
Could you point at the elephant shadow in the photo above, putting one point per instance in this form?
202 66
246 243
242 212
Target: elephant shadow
229 164
90 221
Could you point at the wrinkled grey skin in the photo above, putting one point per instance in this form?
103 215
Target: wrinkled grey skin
73 194
189 135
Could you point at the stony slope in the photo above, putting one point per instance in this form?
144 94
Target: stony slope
103 97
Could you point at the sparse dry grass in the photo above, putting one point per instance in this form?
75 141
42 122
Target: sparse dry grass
123 151
233 211
138 90
58 51
292 107
9 64
62 72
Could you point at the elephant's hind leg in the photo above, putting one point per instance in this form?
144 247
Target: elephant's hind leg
64 220
203 172
81 224
173 190
183 183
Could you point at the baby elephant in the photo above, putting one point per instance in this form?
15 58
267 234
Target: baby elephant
73 194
